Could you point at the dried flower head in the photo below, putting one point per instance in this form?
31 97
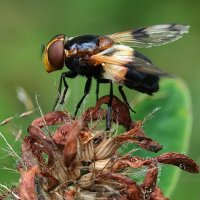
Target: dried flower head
79 161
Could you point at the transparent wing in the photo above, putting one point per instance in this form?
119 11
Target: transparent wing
120 59
150 36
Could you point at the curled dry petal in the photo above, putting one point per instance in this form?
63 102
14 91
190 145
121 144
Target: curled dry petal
93 113
86 136
179 160
149 144
27 184
59 136
52 118
69 195
70 149
120 113
144 141
137 135
37 134
125 162
149 183
32 152
133 191
27 154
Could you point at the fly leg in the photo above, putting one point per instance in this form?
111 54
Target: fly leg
62 80
121 91
100 80
86 91
109 112
97 90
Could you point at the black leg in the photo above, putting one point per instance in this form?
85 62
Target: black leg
62 79
108 117
86 91
100 80
97 91
124 97
65 91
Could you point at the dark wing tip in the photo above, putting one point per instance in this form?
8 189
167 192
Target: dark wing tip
179 28
158 34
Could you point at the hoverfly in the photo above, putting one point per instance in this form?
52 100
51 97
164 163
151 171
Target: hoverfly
110 59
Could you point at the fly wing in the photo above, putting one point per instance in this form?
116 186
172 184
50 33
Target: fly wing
123 65
150 36
142 64
119 59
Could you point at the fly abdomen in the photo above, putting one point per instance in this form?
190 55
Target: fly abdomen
142 82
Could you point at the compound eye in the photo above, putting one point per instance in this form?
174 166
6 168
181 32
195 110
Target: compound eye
56 54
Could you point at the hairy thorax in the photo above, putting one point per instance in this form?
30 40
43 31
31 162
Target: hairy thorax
79 49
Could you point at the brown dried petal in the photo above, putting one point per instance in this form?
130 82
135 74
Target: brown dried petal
69 195
70 149
52 182
93 113
52 118
149 183
86 136
133 191
87 195
137 135
148 144
59 136
37 134
27 184
120 110
125 162
144 141
179 160
27 155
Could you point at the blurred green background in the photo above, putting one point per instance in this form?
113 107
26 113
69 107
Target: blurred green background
26 25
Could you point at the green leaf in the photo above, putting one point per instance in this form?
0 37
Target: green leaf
171 125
